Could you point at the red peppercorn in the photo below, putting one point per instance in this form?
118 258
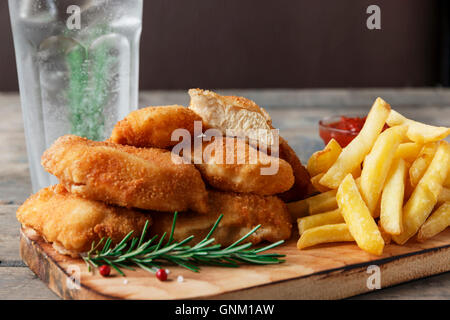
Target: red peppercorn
161 274
104 270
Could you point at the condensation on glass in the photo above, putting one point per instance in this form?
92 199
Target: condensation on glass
77 65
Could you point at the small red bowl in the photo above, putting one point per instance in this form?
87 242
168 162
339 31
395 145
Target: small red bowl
328 128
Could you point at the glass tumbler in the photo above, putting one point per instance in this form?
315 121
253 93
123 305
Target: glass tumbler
77 64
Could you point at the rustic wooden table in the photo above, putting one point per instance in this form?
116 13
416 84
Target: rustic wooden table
295 112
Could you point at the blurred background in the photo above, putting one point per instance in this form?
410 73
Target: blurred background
301 60
281 44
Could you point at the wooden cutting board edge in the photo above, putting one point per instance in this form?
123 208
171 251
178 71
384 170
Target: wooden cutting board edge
338 283
350 280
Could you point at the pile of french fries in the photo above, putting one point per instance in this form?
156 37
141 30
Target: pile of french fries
384 185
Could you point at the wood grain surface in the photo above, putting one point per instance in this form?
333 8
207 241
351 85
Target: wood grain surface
295 112
331 271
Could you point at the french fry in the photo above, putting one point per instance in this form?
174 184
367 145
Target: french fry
324 234
353 155
436 223
358 218
408 187
444 195
425 195
447 180
386 236
316 184
320 219
322 202
377 210
399 174
392 198
408 151
420 165
357 172
377 164
322 160
358 183
418 132
298 209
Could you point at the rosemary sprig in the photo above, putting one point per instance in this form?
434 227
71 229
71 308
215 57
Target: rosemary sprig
149 255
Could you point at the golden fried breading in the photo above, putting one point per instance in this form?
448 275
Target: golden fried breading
239 115
242 212
246 120
74 223
302 186
153 126
125 176
231 164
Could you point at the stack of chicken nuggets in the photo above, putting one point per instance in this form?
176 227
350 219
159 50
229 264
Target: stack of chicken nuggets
109 188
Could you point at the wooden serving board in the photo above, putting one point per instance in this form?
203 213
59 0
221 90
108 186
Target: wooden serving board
324 272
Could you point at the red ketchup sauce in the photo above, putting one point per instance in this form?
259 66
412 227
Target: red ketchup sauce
343 131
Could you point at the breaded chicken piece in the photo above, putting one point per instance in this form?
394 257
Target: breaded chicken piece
238 115
126 176
73 223
246 120
231 164
302 186
242 212
153 126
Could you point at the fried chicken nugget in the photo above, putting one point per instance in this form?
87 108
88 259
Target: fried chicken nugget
302 186
72 223
125 176
242 212
231 164
246 119
153 126
238 115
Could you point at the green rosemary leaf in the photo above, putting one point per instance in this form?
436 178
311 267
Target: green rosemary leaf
213 228
144 231
143 266
125 239
202 244
175 215
270 246
222 262
246 236
186 240
132 245
115 267
182 263
107 245
230 261
125 266
231 249
160 242
162 251
94 248
255 261
148 256
144 247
